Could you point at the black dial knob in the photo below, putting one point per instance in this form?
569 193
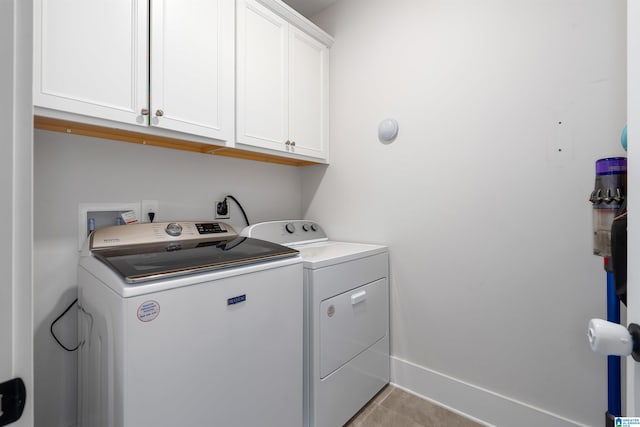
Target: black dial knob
290 228
173 229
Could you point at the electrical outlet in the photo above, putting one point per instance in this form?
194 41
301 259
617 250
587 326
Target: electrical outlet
147 207
221 210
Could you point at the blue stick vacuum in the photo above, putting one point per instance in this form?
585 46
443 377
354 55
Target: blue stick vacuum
607 199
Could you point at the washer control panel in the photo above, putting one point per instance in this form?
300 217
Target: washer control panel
211 228
286 232
156 232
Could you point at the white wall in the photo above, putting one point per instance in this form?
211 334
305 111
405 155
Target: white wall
72 169
489 227
633 110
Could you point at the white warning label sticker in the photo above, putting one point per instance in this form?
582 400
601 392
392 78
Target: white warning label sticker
148 310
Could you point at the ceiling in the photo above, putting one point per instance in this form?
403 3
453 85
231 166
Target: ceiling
309 8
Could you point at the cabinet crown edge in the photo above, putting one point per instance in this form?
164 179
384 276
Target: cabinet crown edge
294 17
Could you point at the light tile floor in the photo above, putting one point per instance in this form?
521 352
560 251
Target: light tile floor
393 407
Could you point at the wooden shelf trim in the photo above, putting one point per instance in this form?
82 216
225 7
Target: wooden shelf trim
75 128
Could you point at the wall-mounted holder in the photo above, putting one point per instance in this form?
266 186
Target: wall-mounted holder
613 339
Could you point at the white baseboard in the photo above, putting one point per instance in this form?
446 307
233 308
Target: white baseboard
481 405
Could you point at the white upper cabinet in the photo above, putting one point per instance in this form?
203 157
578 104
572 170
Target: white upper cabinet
192 66
104 60
282 77
91 57
263 80
208 71
308 94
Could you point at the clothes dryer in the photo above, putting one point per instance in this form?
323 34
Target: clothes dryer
346 319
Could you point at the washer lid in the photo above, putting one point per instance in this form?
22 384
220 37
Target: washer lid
155 261
144 252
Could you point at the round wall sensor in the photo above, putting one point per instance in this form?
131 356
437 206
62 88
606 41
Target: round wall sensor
387 131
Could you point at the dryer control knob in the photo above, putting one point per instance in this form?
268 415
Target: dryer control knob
290 228
305 227
173 229
314 227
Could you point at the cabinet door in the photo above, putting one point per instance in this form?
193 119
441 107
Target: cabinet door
262 58
192 66
308 95
90 57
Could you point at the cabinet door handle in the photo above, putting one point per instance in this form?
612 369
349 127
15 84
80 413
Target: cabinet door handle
288 142
144 112
159 113
293 143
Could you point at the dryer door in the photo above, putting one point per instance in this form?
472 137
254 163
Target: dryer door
350 323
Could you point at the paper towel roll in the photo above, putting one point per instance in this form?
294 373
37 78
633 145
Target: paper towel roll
609 338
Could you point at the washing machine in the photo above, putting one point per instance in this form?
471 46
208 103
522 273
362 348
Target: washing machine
189 324
346 319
